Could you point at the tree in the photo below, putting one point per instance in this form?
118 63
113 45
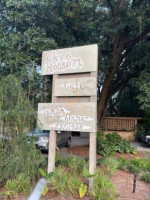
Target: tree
126 104
121 28
16 111
143 85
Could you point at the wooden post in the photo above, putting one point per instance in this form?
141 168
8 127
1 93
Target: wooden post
92 157
52 152
93 138
52 138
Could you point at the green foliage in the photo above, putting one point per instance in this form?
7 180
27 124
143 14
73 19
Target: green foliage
74 184
44 174
143 128
59 180
109 144
18 156
62 180
16 114
133 168
110 163
75 164
142 164
29 27
121 162
85 172
102 189
22 184
146 177
143 84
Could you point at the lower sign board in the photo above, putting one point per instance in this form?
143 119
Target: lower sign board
68 116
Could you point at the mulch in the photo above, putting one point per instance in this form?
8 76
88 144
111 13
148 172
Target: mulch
123 182
83 151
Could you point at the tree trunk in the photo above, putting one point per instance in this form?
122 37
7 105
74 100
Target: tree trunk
103 102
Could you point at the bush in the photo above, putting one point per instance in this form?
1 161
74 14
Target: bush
121 163
111 164
146 177
18 156
108 144
59 180
21 184
103 189
142 164
133 169
74 163
63 181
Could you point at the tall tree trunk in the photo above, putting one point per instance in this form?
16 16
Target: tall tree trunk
103 102
106 90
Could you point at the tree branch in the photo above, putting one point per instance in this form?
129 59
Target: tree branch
133 42
111 6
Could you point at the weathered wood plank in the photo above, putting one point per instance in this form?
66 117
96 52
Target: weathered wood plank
68 116
70 60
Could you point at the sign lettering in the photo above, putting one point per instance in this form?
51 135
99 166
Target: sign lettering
67 117
70 60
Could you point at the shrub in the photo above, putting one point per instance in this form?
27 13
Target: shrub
102 189
146 177
21 184
111 164
63 181
16 114
74 163
59 180
109 144
74 184
133 169
18 156
121 163
142 164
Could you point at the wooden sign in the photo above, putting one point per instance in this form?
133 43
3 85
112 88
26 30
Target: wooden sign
75 87
70 60
68 116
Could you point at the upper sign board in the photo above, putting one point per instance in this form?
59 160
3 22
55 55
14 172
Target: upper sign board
75 87
70 60
68 116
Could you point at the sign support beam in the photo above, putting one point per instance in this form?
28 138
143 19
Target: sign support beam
93 138
52 137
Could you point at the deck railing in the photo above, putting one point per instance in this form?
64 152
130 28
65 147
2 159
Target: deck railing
119 124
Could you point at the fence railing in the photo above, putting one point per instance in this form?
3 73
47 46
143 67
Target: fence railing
119 123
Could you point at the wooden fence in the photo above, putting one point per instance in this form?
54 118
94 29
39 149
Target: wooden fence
119 124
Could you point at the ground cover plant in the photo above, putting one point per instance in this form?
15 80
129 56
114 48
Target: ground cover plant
138 166
110 143
71 176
